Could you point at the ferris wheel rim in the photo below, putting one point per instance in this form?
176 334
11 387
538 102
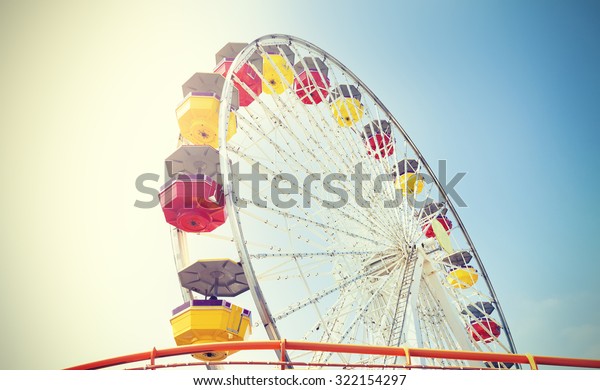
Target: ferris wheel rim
269 322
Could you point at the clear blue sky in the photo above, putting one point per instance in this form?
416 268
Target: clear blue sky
507 91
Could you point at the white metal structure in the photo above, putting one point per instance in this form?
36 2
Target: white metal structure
332 250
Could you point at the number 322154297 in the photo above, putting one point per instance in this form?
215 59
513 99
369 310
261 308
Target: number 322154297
369 380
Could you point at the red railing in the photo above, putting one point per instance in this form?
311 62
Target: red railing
286 345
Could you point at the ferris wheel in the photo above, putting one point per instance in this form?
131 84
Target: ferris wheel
339 228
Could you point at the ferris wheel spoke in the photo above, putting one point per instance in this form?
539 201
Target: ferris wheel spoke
286 270
304 235
358 318
316 297
305 146
282 152
335 317
284 107
319 224
332 253
309 145
277 99
322 201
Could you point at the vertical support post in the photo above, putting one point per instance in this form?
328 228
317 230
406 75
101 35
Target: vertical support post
531 360
407 355
152 358
179 242
283 354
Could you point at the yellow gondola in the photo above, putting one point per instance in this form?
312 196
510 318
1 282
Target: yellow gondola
209 321
462 277
198 118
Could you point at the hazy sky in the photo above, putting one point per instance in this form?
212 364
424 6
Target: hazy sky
507 91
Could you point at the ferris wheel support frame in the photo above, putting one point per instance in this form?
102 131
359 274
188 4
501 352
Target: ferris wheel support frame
453 322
